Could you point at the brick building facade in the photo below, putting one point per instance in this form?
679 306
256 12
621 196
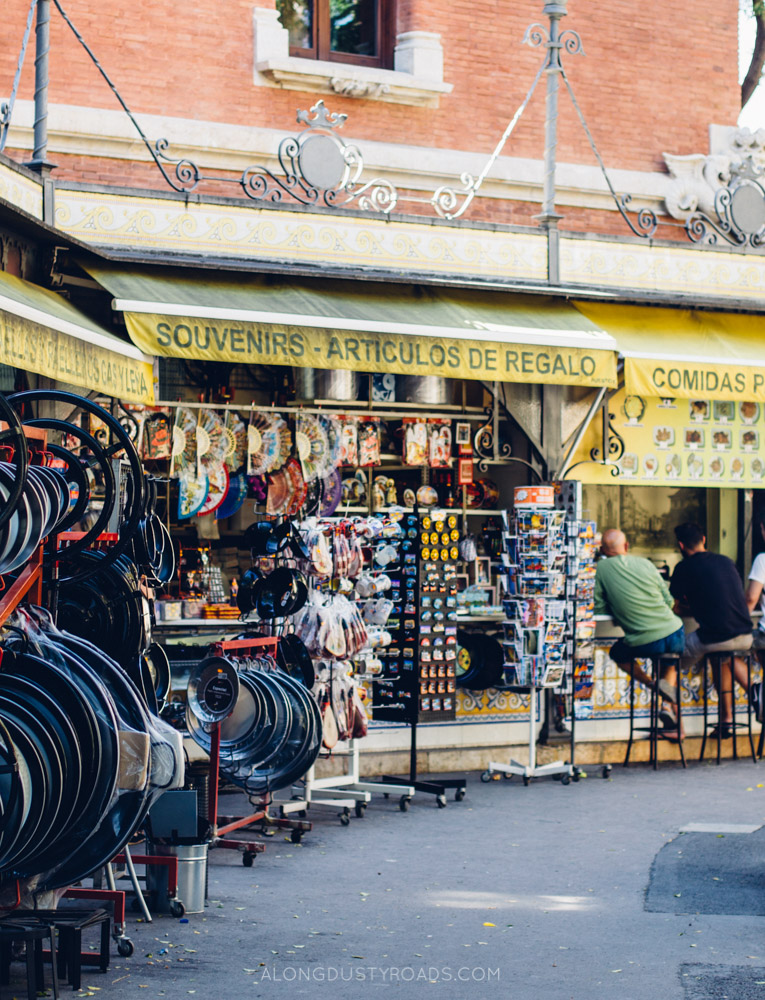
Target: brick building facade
221 86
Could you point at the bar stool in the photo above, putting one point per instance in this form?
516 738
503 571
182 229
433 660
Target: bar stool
654 733
715 661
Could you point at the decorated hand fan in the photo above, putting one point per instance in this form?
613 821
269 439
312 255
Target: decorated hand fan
279 492
269 443
312 447
333 494
236 442
234 498
211 440
192 494
299 488
184 456
217 485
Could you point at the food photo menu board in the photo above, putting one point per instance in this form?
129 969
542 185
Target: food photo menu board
678 442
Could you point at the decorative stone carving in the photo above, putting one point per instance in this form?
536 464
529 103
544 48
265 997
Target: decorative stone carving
696 179
354 87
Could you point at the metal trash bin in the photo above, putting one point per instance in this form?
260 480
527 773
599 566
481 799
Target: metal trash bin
192 876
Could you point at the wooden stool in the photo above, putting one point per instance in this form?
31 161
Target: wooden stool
654 733
70 923
715 661
32 935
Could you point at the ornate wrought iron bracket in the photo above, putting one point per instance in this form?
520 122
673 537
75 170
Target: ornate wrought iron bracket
317 167
740 208
446 200
612 444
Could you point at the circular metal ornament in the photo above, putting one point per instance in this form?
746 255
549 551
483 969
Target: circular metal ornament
321 163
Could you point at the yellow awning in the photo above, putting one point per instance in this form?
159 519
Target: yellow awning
685 353
42 332
361 326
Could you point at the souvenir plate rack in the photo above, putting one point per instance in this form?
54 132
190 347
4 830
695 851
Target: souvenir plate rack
539 637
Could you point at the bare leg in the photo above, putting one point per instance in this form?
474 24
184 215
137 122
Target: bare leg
739 671
724 685
670 674
633 670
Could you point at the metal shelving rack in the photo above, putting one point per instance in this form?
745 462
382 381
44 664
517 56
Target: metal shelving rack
547 584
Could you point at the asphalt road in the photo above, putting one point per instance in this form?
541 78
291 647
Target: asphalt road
538 893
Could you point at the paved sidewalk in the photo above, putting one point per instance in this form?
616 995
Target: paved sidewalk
534 893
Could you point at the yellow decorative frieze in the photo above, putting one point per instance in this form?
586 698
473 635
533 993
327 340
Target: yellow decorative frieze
250 233
22 191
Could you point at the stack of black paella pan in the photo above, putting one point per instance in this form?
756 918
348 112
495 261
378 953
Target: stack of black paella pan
83 750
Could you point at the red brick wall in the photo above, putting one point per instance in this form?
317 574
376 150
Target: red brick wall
654 76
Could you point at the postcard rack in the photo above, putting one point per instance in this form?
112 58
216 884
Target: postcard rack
539 631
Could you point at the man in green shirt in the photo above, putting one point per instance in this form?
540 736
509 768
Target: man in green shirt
632 592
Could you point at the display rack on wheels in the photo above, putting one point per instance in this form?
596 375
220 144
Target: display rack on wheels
226 697
546 561
419 679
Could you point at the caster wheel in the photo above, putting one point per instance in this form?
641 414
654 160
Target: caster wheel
441 801
508 777
486 777
296 836
606 773
345 817
403 803
577 774
565 779
459 794
526 780
125 947
361 808
247 859
386 795
177 909
303 813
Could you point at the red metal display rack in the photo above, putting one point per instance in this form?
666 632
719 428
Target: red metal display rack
224 825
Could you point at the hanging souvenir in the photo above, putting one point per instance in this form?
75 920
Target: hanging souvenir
156 435
297 485
184 453
355 490
211 441
279 492
369 441
236 442
464 470
333 428
333 494
439 443
217 486
257 488
415 441
312 447
192 493
234 498
349 450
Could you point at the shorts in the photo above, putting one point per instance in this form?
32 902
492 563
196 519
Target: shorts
622 653
695 649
